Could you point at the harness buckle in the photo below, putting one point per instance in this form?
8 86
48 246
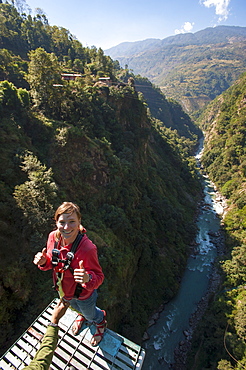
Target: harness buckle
56 259
55 256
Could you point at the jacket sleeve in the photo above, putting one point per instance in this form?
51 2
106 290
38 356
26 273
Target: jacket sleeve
93 268
44 355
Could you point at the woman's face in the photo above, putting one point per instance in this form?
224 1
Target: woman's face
68 225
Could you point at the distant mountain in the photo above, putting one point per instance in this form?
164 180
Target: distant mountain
130 48
210 35
97 145
191 68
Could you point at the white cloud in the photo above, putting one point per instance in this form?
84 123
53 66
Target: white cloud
221 7
187 27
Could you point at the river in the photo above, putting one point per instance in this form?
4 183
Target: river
173 325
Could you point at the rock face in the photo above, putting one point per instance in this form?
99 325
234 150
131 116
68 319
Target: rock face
152 321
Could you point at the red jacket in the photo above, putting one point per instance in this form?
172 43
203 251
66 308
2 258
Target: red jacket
86 251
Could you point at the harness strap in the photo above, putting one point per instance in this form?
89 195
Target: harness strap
74 247
76 242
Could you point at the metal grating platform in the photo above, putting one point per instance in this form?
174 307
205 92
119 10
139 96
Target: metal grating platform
113 352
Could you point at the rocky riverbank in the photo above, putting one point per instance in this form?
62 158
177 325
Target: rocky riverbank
218 239
217 206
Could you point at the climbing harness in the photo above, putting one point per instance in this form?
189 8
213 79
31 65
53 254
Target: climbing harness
58 272
56 259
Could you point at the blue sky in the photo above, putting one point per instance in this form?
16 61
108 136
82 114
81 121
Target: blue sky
107 23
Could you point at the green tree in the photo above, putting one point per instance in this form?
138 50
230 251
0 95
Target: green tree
10 27
61 38
240 318
12 100
36 196
225 365
43 73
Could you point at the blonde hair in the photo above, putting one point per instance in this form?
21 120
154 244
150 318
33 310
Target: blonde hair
68 207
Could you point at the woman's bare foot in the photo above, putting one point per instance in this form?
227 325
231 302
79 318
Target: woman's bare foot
100 328
78 324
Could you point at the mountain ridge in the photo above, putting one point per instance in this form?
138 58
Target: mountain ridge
190 68
97 145
196 38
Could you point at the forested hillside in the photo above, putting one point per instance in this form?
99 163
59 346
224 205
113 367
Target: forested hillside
132 175
190 68
222 342
163 109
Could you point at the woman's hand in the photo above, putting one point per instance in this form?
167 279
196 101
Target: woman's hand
40 258
80 276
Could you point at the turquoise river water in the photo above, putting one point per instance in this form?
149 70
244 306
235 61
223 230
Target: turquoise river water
169 329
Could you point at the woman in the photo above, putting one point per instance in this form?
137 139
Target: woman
77 274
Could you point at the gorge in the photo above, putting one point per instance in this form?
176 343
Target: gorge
124 153
169 338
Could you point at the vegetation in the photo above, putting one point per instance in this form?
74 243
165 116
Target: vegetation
222 342
190 68
99 146
122 152
165 110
